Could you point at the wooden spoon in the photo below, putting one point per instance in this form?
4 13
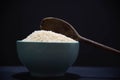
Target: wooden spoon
61 26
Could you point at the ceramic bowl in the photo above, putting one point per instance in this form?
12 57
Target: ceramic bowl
47 59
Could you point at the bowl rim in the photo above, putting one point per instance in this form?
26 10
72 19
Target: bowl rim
20 41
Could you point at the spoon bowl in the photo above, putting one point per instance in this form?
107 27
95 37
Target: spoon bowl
59 26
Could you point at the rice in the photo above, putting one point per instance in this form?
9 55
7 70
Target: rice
47 36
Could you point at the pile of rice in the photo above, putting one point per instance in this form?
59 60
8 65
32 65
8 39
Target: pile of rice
47 36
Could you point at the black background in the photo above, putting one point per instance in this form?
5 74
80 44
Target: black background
98 20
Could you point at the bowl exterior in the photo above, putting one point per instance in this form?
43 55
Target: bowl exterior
47 59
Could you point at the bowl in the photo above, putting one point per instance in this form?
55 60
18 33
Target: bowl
46 59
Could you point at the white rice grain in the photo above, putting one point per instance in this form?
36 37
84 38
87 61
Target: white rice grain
47 36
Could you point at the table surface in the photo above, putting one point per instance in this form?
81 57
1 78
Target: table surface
73 73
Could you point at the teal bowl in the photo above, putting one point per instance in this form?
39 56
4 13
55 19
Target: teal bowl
45 59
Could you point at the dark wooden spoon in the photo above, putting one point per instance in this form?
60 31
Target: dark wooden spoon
61 26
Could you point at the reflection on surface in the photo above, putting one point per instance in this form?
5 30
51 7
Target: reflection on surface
67 76
26 76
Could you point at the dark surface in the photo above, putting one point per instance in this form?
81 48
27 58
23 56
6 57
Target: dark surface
73 73
98 20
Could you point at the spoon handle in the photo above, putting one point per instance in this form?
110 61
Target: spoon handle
99 45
